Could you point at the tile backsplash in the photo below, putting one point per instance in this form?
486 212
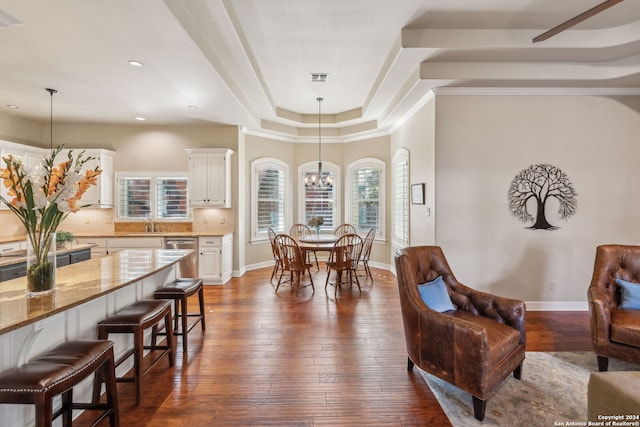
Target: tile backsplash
87 221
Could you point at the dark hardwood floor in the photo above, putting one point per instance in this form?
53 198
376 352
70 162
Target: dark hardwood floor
277 360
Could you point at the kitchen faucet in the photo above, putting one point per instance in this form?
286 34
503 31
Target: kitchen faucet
151 227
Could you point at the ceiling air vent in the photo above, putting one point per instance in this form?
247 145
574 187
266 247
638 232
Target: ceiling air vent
319 77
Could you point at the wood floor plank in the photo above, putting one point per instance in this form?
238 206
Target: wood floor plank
270 359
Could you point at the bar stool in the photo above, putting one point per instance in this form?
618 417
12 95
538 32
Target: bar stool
178 291
57 372
134 319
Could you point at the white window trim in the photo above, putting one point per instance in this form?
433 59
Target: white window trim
263 163
381 234
153 175
326 166
401 156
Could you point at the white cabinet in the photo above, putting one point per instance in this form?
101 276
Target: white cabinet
12 247
100 195
214 259
117 244
210 177
104 246
99 247
31 157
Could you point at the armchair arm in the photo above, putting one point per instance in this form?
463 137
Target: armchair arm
501 309
599 315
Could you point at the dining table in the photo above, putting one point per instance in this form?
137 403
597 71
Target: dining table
316 243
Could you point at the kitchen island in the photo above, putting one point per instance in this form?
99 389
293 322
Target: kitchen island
85 293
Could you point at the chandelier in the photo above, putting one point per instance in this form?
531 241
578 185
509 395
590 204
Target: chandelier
319 181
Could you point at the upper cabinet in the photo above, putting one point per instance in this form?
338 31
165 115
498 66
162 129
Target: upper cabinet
100 195
31 157
210 177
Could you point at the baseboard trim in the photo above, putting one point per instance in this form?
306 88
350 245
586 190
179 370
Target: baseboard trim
531 305
258 265
557 306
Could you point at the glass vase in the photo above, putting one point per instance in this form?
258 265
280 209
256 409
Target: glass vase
41 264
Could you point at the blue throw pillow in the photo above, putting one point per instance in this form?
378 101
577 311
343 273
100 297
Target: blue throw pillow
435 295
630 295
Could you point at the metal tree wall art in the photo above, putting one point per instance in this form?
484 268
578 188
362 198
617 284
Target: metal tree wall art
538 184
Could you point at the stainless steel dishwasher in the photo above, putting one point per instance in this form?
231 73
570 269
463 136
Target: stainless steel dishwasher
188 266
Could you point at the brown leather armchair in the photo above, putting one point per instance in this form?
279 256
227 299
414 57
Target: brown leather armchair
614 332
474 347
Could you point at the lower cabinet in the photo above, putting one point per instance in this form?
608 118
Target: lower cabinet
14 271
98 248
118 244
214 259
111 245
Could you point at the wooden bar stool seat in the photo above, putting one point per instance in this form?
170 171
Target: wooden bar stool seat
179 291
134 319
57 372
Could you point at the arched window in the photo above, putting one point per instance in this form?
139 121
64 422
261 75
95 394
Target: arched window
269 197
400 198
366 196
319 202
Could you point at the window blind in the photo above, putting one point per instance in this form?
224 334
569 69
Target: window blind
320 202
134 197
270 209
365 198
171 198
401 201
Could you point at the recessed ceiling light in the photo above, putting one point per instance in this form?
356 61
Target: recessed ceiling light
13 107
135 63
141 119
192 107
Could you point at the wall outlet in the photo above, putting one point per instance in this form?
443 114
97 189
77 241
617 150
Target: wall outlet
221 219
552 285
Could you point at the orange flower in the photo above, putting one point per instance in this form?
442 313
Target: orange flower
90 178
57 177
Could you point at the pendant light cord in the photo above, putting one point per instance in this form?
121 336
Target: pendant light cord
51 91
319 132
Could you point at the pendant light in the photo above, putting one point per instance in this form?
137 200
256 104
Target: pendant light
319 181
51 92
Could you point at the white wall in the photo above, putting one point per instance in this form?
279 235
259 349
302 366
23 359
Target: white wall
417 135
482 142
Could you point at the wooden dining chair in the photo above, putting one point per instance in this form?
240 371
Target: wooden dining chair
301 230
345 258
292 261
276 259
343 229
366 252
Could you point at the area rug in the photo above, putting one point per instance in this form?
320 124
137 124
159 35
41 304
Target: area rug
552 391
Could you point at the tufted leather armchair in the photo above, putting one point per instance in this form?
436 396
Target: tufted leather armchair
614 332
474 347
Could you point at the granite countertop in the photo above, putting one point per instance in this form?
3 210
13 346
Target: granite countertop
81 282
108 234
12 259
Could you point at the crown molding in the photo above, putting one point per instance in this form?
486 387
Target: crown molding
537 91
